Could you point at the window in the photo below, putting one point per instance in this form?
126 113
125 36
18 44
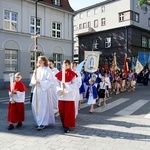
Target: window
144 42
57 60
103 9
56 30
81 15
136 17
95 11
88 13
108 42
33 24
95 23
121 17
33 59
95 44
11 60
149 22
103 22
84 25
56 2
80 26
10 20
149 43
89 24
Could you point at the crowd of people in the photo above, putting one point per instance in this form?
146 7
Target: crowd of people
60 93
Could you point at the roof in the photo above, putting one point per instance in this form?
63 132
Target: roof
64 4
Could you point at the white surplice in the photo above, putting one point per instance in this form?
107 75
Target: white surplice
53 90
78 84
44 113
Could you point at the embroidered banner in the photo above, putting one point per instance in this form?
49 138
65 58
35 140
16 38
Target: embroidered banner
91 61
139 67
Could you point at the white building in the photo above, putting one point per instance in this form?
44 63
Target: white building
112 26
17 26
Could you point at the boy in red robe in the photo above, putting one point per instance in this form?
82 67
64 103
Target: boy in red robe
66 97
16 103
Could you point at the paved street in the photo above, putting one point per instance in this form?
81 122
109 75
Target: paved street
124 124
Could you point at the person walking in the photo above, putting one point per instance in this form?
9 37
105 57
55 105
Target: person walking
66 96
53 88
16 111
91 94
42 103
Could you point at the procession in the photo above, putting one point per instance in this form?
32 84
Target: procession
60 93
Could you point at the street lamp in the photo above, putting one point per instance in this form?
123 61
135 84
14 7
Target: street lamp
35 34
35 49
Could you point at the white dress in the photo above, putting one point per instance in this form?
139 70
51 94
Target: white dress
43 112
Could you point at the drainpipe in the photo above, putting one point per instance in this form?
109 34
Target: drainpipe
72 21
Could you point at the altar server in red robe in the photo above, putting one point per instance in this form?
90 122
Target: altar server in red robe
16 112
66 96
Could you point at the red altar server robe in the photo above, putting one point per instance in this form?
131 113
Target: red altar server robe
66 103
16 110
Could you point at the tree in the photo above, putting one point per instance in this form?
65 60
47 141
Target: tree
141 2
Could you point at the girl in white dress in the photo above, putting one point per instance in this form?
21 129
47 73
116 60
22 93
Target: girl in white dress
91 95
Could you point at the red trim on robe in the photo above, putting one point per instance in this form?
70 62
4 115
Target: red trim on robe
69 75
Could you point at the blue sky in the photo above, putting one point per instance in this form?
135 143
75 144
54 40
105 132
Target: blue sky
78 4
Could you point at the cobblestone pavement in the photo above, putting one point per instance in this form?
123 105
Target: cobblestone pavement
93 132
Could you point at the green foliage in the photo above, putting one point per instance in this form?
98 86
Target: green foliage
141 2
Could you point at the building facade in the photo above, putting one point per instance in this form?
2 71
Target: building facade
112 26
53 20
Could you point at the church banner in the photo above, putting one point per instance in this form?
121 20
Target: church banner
139 67
91 61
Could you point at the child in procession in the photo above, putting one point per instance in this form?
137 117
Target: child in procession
16 112
101 92
91 94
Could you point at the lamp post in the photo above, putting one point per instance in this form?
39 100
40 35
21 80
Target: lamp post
36 34
35 49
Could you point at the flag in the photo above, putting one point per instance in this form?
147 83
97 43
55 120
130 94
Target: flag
126 66
91 61
139 67
114 63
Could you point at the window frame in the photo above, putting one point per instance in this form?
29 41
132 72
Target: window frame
107 42
96 23
144 42
34 25
32 59
56 30
103 21
56 2
10 20
57 62
89 24
103 9
95 44
11 61
121 17
149 43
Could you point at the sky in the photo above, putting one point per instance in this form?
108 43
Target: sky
79 4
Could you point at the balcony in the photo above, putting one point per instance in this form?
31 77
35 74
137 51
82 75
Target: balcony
84 31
